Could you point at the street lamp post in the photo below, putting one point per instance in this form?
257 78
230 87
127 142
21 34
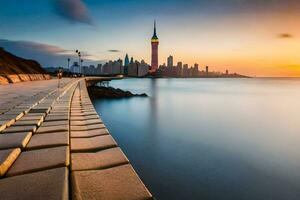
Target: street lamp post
79 59
69 65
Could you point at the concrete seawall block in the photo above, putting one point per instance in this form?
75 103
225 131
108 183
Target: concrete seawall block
24 77
87 127
13 78
92 144
98 160
86 122
82 118
90 133
50 184
114 184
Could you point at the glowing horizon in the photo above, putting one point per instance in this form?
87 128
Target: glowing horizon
247 37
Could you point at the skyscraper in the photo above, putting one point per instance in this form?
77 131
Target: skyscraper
126 60
126 64
154 44
170 61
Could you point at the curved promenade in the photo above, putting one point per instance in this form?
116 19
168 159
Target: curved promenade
53 145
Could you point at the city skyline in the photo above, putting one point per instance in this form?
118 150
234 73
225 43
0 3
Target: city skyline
255 38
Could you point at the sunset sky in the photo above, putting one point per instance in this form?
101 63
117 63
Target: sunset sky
251 37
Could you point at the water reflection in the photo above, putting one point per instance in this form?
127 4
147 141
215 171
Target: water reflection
153 114
210 138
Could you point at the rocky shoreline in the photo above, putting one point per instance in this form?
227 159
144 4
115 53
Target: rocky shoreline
111 93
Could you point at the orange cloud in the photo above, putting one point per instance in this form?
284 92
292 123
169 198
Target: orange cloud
285 36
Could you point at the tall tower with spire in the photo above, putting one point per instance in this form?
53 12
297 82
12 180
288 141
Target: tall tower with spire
154 57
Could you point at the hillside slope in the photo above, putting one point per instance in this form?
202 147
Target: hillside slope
15 69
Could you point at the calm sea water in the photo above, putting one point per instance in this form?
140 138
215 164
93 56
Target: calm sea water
210 138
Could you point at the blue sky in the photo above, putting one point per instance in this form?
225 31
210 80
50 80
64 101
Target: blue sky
191 30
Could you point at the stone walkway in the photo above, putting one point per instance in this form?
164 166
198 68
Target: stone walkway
53 145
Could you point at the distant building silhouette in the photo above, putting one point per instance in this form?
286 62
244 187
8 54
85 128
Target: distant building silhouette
99 69
143 69
170 61
185 72
206 70
75 68
195 70
138 69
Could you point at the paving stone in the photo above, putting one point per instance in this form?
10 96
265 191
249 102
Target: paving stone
42 159
43 105
57 117
22 122
86 122
50 129
7 158
14 112
61 106
82 109
35 115
99 160
87 127
83 114
11 116
14 140
25 106
60 113
55 109
118 183
3 110
5 117
50 184
65 114
89 112
75 112
39 141
29 118
39 110
17 129
84 117
90 133
92 144
55 123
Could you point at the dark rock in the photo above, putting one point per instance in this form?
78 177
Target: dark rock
110 92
